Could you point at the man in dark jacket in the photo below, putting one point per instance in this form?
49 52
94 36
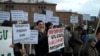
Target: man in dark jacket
41 47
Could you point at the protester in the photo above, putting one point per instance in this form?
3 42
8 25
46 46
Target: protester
18 51
67 35
98 40
89 35
49 25
83 35
89 49
41 47
75 41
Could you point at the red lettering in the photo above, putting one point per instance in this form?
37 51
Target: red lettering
54 42
50 32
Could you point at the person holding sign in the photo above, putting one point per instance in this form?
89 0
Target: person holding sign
18 51
67 36
98 40
41 47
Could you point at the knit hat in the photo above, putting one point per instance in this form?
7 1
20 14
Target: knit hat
48 24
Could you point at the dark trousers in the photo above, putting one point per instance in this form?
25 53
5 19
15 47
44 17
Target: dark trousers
75 54
54 54
67 54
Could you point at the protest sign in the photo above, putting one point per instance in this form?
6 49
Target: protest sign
86 17
74 19
53 20
55 39
49 14
33 39
26 16
6 41
18 15
38 16
4 16
21 32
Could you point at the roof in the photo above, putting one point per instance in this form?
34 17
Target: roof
39 3
63 11
43 2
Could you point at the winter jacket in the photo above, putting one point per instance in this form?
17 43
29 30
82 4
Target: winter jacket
89 52
42 47
67 36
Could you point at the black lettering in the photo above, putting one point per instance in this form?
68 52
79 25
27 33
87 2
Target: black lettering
9 54
56 46
21 35
0 35
2 54
53 37
60 35
4 34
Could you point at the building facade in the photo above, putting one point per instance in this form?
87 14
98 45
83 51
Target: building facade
65 16
31 8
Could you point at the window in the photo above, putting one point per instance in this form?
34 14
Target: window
42 7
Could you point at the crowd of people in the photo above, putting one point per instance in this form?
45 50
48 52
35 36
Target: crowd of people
80 42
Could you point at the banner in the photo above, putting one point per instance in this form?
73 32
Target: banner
33 37
4 16
21 32
74 19
55 39
38 16
6 41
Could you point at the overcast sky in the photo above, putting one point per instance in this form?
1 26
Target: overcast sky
91 7
81 6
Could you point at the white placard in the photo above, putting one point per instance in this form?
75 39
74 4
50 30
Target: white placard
86 17
55 39
4 16
85 27
21 32
38 16
54 20
49 14
6 41
33 37
26 16
18 15
99 14
74 19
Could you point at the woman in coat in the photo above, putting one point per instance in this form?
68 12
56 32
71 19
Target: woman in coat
89 48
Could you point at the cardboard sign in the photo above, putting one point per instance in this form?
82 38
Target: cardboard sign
86 17
4 16
6 41
33 37
38 16
55 39
18 15
21 32
74 19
